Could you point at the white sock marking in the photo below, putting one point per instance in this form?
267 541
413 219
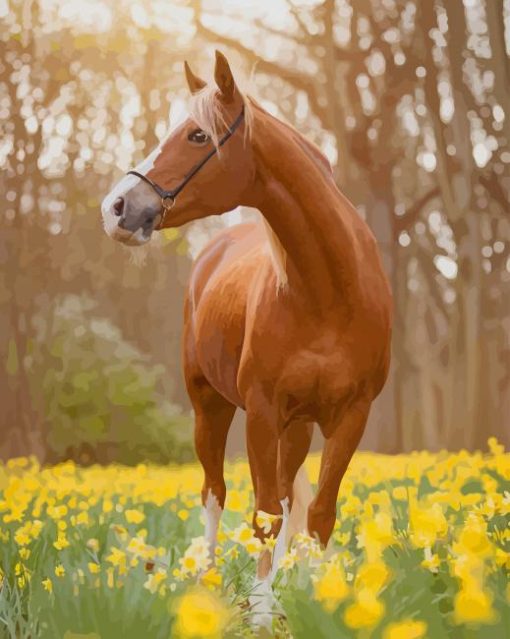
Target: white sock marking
281 540
261 602
212 514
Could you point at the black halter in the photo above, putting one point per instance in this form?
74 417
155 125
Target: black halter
168 197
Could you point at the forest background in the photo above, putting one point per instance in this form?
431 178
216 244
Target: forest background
408 99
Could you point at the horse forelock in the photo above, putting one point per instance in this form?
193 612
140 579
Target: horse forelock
207 111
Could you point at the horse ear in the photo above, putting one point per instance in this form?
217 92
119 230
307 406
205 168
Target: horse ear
194 82
224 78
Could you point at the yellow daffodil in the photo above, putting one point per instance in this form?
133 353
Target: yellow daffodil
372 576
427 524
60 570
265 520
200 615
134 516
211 578
405 630
197 557
155 581
472 604
61 542
47 585
431 561
331 588
365 612
400 493
473 538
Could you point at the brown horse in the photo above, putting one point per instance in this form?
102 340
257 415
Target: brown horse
289 320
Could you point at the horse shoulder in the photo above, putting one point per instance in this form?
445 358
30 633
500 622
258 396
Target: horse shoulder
216 313
221 251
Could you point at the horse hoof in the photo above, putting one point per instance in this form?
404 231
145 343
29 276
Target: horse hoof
261 603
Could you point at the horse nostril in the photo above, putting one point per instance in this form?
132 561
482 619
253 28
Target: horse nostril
118 206
149 221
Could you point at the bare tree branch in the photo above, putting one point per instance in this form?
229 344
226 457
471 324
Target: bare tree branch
302 24
424 258
492 184
306 41
411 215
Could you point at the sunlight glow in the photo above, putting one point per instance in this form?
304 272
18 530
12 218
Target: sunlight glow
96 16
481 154
178 112
404 239
139 15
428 161
446 266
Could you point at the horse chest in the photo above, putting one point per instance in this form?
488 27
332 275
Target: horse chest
301 370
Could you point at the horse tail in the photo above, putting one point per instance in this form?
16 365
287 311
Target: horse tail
303 495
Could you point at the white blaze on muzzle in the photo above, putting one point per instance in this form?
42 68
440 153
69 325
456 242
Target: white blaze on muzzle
122 187
128 182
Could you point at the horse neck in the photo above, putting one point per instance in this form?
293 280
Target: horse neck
317 227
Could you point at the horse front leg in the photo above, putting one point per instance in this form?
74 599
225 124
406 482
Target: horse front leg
262 443
213 417
338 450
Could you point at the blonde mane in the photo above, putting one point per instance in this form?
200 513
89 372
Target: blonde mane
207 112
278 256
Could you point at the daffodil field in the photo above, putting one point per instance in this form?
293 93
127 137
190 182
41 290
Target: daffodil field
420 551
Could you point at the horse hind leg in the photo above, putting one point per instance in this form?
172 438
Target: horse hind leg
294 494
262 443
338 450
273 465
213 418
293 485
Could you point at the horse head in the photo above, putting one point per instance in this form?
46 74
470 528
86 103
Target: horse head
203 167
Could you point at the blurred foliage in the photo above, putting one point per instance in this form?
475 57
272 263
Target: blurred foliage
101 396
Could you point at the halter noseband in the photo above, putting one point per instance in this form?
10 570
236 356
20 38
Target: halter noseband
168 197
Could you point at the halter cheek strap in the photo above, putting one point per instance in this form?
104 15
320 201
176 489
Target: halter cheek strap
168 197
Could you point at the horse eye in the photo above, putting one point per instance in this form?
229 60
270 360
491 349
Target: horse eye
198 136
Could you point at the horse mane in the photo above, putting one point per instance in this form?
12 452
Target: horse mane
207 112
278 256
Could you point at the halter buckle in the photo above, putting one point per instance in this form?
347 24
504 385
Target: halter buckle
167 202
